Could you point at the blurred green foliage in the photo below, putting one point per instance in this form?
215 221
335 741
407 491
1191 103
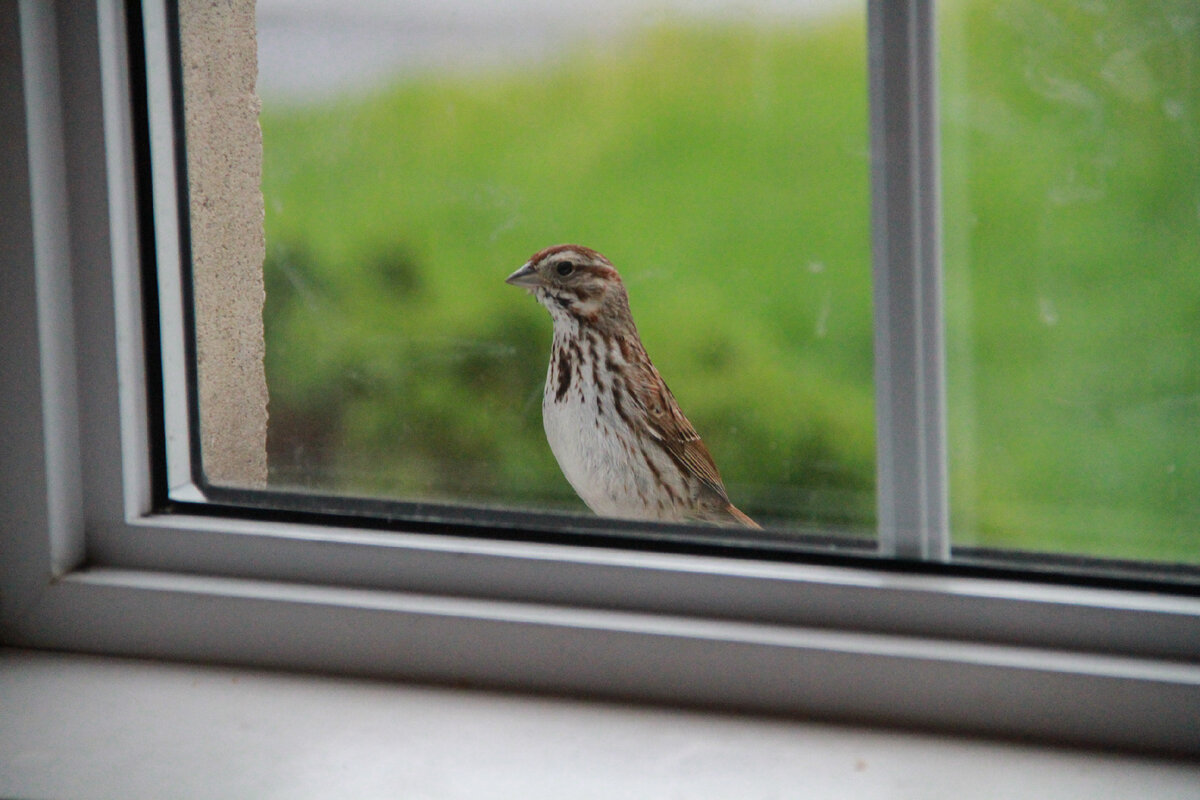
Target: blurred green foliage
1071 166
724 169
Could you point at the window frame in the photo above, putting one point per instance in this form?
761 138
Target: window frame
93 563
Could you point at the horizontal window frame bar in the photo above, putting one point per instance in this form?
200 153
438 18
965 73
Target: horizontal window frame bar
956 605
818 544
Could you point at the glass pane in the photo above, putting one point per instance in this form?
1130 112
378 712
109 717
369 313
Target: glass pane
415 154
1071 143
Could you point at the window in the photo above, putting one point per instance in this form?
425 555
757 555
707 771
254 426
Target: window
141 566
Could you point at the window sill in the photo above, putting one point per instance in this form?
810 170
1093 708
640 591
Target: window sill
85 726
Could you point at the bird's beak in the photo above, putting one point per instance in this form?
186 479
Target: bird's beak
526 276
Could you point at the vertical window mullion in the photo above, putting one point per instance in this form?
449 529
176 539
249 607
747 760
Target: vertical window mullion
909 350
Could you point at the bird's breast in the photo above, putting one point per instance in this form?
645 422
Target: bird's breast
586 414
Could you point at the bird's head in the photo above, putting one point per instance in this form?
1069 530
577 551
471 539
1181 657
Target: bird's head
576 284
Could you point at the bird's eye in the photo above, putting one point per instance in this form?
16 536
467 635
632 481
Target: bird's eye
564 268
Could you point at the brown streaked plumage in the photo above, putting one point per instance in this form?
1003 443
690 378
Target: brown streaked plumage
618 434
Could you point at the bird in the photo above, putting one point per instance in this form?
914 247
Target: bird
614 427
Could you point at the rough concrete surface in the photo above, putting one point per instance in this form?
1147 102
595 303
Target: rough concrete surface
224 163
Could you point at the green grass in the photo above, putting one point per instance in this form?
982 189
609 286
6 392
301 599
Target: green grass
725 171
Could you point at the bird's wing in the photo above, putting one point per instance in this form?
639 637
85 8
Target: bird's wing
667 425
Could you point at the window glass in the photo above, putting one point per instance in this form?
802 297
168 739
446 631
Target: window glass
415 154
1071 164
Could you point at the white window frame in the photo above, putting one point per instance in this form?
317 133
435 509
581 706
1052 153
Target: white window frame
88 564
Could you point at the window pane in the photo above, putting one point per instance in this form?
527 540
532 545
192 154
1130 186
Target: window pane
415 154
1071 142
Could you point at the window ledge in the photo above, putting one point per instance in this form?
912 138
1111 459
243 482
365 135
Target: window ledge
86 726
